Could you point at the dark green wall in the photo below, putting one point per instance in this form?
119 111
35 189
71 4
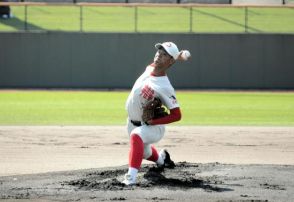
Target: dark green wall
114 60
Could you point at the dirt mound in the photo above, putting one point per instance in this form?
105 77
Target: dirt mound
150 176
210 182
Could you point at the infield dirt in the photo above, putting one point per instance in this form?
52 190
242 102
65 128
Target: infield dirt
72 163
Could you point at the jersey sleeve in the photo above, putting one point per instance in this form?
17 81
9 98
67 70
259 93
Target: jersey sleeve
168 98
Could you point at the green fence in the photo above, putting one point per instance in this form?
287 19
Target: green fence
191 18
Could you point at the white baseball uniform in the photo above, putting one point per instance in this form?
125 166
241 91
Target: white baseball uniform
146 88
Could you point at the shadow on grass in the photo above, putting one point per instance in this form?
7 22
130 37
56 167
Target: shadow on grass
242 25
19 24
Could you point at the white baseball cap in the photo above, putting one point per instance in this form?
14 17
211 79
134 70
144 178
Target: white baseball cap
170 48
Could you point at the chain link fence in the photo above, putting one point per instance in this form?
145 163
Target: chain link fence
178 18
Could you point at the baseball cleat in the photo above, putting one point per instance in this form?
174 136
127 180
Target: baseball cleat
129 181
168 163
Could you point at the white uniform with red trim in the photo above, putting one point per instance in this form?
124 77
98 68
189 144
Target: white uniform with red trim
146 88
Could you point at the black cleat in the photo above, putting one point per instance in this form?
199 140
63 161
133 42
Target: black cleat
168 163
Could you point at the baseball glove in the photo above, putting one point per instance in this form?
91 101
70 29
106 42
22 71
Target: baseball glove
154 109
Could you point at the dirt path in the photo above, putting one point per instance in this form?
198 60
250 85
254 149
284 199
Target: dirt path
37 149
43 164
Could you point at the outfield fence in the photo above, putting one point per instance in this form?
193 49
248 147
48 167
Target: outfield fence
135 17
115 60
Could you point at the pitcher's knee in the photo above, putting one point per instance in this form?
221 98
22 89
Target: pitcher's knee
147 153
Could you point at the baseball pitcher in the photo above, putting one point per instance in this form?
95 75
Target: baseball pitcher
151 104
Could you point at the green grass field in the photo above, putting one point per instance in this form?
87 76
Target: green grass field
107 108
151 19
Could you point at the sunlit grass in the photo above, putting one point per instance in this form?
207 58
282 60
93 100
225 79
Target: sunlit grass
150 19
108 108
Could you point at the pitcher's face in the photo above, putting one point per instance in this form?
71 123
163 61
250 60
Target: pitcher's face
163 59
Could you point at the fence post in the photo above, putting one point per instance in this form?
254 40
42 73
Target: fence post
26 18
136 19
246 19
191 19
81 18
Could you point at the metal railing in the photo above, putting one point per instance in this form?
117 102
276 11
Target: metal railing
135 17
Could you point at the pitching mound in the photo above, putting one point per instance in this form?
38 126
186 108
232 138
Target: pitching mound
186 182
182 177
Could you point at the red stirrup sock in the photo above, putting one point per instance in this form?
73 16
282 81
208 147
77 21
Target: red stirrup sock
136 151
154 156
